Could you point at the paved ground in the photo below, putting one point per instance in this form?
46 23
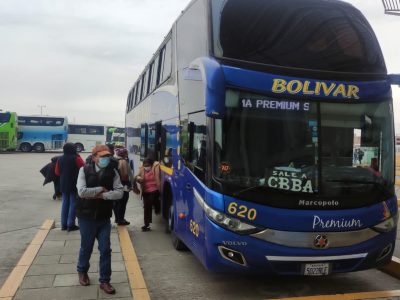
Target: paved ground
169 274
24 205
53 272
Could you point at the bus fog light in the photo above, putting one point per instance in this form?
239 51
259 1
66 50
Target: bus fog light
232 255
385 252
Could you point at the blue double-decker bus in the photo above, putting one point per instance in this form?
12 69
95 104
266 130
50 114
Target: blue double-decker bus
273 120
41 133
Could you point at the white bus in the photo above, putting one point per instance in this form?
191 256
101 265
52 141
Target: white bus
85 137
40 133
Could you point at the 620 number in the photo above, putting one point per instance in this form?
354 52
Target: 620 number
242 211
194 228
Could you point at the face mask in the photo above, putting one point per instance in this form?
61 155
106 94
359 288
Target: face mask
147 169
103 162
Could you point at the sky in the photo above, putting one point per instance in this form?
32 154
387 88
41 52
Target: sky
79 58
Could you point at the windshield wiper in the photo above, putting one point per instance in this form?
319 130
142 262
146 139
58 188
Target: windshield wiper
248 189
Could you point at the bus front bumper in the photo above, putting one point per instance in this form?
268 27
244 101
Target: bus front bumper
227 251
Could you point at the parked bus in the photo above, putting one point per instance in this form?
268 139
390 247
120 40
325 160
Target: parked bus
85 137
8 131
40 133
116 136
274 125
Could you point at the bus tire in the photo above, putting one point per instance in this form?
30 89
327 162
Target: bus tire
79 147
38 147
176 242
25 147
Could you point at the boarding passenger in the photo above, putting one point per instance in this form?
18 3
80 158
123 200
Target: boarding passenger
149 178
98 185
125 173
67 167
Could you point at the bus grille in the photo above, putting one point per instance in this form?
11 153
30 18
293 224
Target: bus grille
4 140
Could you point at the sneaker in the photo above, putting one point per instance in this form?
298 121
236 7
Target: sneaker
64 227
146 228
72 228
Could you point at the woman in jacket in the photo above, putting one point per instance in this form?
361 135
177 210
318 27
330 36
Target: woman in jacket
67 167
149 178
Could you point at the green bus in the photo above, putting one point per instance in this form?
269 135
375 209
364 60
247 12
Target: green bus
8 131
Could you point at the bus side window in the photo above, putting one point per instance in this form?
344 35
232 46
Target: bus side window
166 144
184 140
196 156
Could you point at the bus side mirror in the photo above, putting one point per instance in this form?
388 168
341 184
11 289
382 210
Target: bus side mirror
394 79
213 79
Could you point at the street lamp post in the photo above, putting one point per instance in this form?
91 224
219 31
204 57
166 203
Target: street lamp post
41 109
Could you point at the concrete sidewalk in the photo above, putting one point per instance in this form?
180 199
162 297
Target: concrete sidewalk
53 275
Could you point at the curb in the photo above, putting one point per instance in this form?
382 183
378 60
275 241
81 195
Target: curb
351 296
393 268
136 279
13 281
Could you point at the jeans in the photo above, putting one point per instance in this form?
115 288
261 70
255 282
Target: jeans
120 207
68 209
91 230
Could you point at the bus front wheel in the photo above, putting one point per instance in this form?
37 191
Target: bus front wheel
79 147
38 147
176 242
25 147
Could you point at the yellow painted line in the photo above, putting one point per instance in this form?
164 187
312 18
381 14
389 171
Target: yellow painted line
29 255
16 276
353 296
393 268
167 170
136 279
48 225
13 281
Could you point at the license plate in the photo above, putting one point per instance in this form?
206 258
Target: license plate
319 269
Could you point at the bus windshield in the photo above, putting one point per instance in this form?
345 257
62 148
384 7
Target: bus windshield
312 34
271 150
5 117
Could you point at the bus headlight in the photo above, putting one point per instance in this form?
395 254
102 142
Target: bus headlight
229 222
387 225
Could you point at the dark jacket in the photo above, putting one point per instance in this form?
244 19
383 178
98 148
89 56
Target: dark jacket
96 209
48 171
68 170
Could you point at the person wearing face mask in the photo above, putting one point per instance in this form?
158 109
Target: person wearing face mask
98 185
67 167
149 178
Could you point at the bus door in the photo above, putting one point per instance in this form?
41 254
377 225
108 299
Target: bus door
193 179
143 141
154 139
